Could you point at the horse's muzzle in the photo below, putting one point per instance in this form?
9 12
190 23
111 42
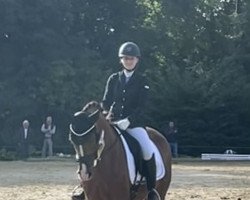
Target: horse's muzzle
83 174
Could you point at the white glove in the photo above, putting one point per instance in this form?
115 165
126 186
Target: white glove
123 124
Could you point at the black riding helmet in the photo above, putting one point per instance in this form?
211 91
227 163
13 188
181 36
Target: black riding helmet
129 49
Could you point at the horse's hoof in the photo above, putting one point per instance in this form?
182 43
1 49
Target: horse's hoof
153 195
78 197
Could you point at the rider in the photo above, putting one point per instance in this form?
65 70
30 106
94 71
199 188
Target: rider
126 94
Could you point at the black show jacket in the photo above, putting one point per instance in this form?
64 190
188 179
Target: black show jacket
129 99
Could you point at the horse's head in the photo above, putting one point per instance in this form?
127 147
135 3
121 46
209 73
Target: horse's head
87 138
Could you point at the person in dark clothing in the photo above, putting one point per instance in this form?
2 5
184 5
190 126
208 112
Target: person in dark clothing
24 135
171 135
126 95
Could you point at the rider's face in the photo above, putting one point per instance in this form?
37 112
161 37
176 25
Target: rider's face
129 62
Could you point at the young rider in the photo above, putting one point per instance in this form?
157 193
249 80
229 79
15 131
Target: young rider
126 95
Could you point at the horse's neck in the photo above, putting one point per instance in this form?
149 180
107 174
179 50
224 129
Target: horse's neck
111 136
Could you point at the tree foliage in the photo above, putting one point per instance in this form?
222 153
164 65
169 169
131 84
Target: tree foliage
56 56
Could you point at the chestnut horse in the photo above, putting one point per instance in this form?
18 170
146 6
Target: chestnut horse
103 167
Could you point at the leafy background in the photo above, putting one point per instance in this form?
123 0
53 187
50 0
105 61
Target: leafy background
56 55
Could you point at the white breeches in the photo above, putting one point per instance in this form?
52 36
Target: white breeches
142 137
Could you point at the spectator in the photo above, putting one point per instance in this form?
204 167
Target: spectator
24 135
48 129
171 135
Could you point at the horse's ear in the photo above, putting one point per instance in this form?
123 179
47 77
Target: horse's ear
100 106
97 105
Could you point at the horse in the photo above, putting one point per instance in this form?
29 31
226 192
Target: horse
103 168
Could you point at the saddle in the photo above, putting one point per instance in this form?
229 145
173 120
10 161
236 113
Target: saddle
136 151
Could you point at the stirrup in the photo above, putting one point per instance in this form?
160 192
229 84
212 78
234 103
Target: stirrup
153 195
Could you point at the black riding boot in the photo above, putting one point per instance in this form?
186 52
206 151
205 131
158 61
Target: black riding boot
150 172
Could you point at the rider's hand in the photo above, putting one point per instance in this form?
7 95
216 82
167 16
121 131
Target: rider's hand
123 124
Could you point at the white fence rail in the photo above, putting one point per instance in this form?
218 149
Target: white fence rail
206 156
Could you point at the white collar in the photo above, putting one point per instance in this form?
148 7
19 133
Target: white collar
128 74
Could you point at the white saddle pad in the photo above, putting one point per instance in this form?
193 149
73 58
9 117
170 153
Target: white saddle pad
160 169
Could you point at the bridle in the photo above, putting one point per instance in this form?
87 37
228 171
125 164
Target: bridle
81 156
96 155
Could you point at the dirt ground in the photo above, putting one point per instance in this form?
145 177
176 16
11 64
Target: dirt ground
192 180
